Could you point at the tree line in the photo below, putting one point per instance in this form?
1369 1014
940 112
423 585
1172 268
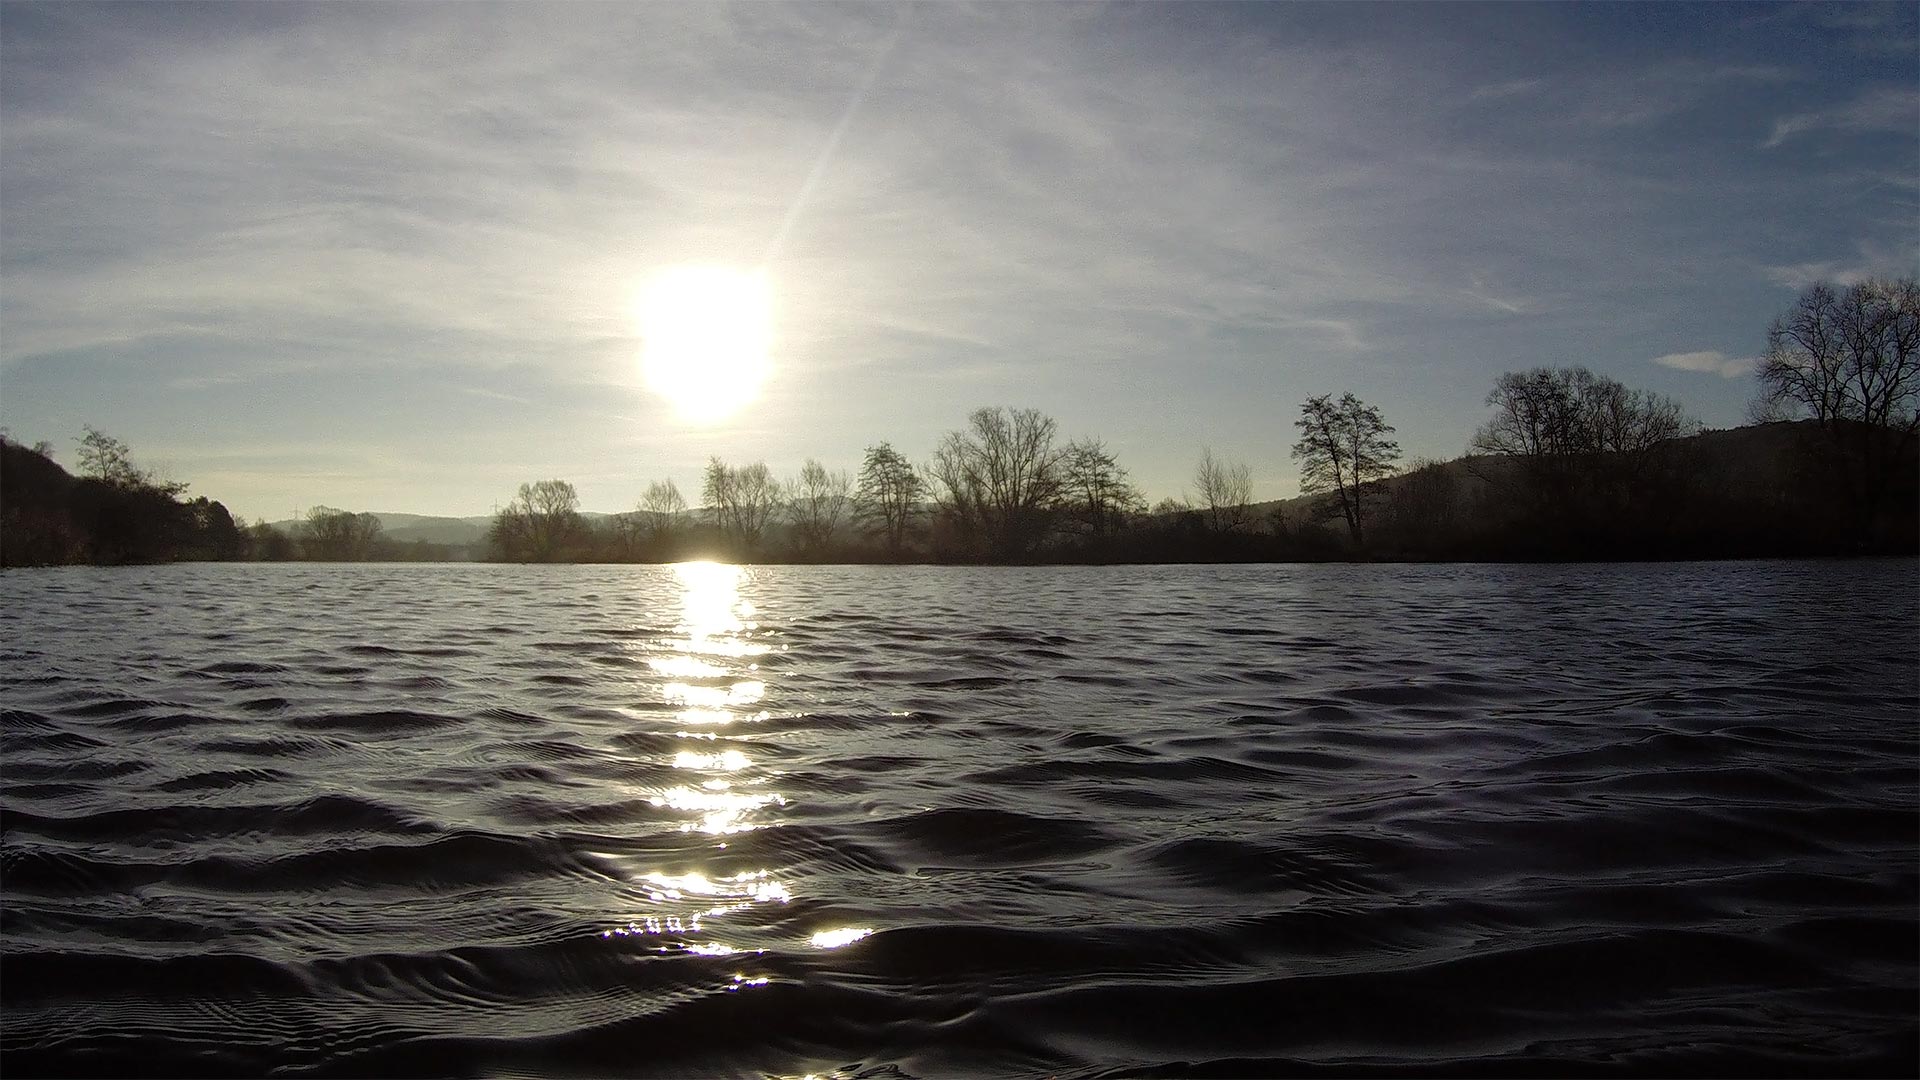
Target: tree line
115 512
118 512
1569 464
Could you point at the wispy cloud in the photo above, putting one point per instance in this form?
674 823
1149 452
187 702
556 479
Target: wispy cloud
1483 290
1870 259
1710 362
1507 89
1053 205
1886 109
1636 98
1870 29
1001 182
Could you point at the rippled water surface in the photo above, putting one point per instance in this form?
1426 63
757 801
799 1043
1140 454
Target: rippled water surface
708 820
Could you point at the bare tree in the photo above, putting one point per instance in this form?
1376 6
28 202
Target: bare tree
628 532
660 508
1583 442
717 493
816 501
1569 412
1097 493
1852 355
267 543
888 499
340 536
1425 505
1851 361
1344 449
757 499
108 460
997 482
741 500
1224 491
540 524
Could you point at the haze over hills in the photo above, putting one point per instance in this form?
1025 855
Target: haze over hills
408 528
1746 461
1770 490
1750 484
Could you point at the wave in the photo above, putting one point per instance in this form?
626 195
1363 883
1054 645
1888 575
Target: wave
872 822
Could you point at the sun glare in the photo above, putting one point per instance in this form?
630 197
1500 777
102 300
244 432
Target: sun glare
707 330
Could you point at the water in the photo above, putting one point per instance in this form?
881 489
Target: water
488 820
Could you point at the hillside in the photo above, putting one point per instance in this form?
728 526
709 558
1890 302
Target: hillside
1769 489
425 528
1780 489
49 517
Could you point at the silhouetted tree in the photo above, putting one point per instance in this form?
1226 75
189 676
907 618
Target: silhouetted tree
1224 490
41 446
660 508
1344 449
36 536
1095 490
108 460
219 537
998 481
1850 360
888 499
339 535
124 513
1587 447
816 501
1424 509
741 500
540 525
37 527
717 492
266 543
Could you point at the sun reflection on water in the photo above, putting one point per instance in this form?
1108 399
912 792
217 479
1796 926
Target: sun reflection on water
720 810
713 613
833 939
712 698
740 889
724 761
705 675
699 898
709 670
687 667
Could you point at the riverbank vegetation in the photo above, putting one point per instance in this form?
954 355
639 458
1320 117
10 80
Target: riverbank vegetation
1569 465
118 513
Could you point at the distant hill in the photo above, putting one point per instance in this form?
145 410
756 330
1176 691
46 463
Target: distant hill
408 528
1777 489
1755 459
49 517
1764 489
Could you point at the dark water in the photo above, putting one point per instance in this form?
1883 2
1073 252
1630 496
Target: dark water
928 822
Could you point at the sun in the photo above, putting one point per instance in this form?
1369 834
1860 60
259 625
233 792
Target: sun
707 331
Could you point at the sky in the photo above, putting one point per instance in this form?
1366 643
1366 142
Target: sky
388 257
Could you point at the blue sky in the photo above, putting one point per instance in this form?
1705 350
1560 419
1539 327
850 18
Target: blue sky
385 257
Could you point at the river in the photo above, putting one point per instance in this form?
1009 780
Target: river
707 820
